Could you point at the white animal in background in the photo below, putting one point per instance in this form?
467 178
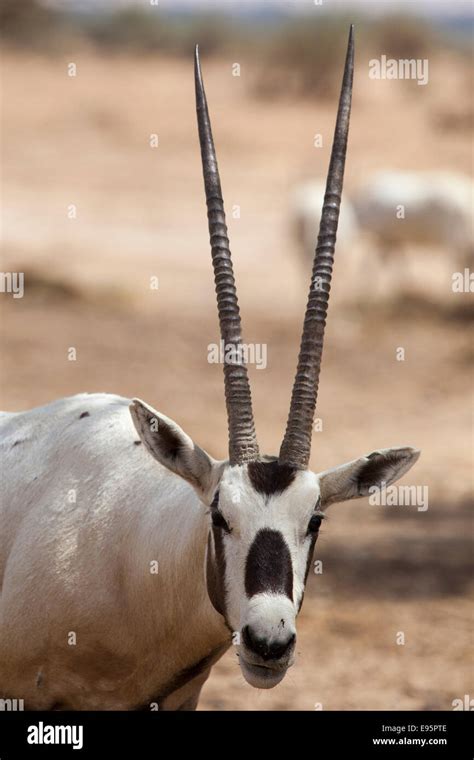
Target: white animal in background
127 570
418 208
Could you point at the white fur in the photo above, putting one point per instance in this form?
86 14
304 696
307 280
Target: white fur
438 209
86 512
85 567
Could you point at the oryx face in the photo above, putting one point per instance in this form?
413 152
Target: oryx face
265 521
265 512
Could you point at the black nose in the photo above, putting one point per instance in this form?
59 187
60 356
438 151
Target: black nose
266 650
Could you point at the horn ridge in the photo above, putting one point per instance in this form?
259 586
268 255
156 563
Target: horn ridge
243 446
296 446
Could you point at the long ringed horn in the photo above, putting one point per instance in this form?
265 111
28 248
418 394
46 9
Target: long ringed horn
296 446
243 445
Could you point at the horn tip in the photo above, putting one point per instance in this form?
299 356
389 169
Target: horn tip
350 48
351 36
197 69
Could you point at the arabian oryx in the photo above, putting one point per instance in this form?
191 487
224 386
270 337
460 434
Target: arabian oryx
127 597
431 209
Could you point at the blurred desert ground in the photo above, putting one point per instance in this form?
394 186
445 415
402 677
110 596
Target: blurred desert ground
84 140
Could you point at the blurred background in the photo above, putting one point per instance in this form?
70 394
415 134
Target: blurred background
103 211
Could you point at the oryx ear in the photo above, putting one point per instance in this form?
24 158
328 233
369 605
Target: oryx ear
354 479
175 450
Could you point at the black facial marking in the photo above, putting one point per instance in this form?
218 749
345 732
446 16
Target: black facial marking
216 571
218 519
268 566
270 477
84 414
314 538
137 443
216 565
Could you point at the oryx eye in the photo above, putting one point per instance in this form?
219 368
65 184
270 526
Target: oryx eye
218 520
314 523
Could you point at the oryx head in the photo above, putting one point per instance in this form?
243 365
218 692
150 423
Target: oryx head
265 511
